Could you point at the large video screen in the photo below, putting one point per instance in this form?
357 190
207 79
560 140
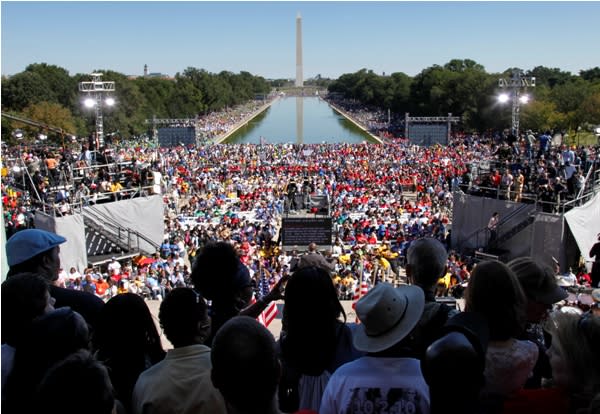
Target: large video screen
179 136
428 134
301 232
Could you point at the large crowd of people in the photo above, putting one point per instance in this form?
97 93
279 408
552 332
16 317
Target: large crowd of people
382 196
221 263
401 355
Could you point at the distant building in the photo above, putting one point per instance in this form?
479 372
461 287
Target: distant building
158 75
154 74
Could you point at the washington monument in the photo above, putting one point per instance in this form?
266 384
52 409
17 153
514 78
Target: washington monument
299 78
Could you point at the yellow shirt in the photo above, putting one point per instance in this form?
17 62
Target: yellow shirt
445 280
344 258
384 263
348 281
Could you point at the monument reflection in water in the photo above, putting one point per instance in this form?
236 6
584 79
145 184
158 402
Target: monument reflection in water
300 120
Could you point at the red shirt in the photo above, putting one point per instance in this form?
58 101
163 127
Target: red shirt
101 288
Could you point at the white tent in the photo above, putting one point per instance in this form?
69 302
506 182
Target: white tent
584 223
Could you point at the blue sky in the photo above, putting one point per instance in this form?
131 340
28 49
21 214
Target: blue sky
259 37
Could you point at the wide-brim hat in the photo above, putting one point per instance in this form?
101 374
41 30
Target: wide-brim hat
28 243
562 282
537 280
387 316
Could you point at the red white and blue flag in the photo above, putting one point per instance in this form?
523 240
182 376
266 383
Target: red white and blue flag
360 291
270 312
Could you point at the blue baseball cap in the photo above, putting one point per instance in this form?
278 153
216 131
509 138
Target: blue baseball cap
26 244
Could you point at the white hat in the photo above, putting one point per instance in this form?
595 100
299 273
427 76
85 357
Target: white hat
387 316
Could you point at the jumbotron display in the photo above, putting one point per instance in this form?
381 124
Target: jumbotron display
428 134
176 136
298 231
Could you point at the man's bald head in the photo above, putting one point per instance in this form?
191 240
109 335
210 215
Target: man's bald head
426 261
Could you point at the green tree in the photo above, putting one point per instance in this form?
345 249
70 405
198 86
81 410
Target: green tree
156 95
549 76
588 111
591 75
38 83
187 100
467 89
426 91
401 92
63 86
51 114
127 116
24 89
568 97
541 116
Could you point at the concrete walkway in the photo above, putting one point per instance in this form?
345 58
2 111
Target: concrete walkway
274 327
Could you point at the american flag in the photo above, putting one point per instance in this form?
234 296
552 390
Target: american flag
267 316
361 290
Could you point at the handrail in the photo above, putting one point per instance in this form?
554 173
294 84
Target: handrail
583 196
103 221
558 205
108 194
98 166
101 228
128 229
500 223
587 177
512 214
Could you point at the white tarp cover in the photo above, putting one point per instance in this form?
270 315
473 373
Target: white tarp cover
143 214
3 242
584 223
73 252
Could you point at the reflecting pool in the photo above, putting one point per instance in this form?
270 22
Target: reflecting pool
301 120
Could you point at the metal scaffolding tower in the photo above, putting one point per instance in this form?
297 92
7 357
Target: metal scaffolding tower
515 84
95 91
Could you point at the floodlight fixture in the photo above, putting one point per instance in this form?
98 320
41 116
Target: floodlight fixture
95 91
514 84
